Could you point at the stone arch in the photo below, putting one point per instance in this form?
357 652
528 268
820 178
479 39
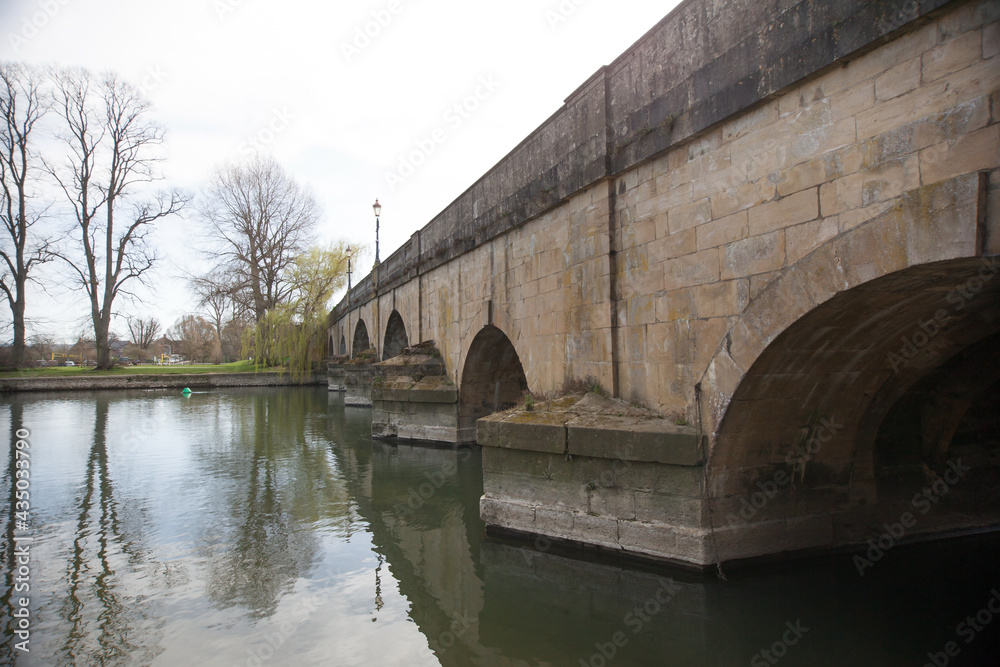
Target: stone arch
492 376
361 341
343 345
849 360
803 387
395 337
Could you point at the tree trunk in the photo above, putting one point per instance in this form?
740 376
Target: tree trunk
17 311
101 342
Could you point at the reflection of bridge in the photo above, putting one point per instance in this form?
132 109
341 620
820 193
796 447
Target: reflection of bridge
779 226
516 604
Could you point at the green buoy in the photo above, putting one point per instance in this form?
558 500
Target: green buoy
186 392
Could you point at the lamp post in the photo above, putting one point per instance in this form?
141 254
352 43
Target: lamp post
348 275
378 211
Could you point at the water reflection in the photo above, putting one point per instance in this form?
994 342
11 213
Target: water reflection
104 618
254 527
265 545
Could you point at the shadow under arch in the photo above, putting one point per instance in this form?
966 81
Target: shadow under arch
361 340
493 378
343 346
395 337
814 411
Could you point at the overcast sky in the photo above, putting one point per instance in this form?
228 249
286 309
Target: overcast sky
346 96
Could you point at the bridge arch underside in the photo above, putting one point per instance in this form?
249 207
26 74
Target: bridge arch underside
492 378
361 340
395 337
343 345
877 409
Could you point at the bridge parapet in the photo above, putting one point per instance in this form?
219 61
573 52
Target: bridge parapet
700 65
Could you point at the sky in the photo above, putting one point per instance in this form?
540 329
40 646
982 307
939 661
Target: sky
346 96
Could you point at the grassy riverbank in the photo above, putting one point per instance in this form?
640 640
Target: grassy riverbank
84 371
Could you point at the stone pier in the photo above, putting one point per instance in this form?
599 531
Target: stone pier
413 399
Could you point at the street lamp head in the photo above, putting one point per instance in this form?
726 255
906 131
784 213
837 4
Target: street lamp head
377 208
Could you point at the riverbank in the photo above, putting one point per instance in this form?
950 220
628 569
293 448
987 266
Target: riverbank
152 381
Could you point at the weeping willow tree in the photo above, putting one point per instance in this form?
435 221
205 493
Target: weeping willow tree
293 333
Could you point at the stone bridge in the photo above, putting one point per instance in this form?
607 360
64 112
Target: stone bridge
774 225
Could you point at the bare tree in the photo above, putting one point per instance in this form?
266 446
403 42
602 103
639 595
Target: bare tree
22 104
107 174
195 338
143 331
260 219
42 345
219 296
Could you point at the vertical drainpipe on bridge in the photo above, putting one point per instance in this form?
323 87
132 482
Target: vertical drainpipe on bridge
612 249
420 293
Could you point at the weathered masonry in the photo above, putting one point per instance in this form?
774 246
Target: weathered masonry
773 224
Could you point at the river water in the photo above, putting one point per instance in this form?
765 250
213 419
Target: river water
265 527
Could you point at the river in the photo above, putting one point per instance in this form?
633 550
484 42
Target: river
265 527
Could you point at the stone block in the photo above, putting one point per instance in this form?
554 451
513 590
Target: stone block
628 439
979 151
840 195
662 441
799 207
516 462
599 530
722 231
720 299
537 492
487 434
665 508
654 539
991 40
600 437
612 502
757 254
804 175
802 239
545 433
506 514
898 80
691 215
953 55
696 269
741 196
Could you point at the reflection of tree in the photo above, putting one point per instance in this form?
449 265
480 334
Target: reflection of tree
99 606
7 548
278 490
